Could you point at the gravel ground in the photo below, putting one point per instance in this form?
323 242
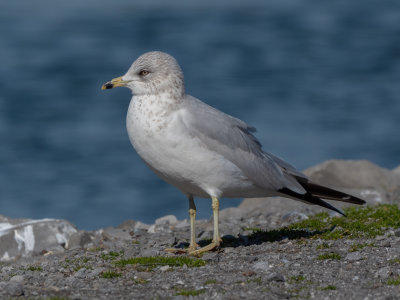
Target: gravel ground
243 269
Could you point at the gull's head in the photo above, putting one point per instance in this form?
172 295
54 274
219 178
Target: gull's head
152 73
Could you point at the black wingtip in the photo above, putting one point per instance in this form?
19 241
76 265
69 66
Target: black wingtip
310 199
324 192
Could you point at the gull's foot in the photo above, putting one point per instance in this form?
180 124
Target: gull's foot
212 246
182 251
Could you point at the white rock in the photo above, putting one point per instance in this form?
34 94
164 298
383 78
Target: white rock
164 268
354 256
170 219
139 226
24 237
261 265
384 272
152 229
183 223
17 278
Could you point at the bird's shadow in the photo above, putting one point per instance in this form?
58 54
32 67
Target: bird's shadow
260 236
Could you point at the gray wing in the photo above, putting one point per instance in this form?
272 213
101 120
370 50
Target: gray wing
233 139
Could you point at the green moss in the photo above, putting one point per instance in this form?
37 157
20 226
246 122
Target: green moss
361 222
324 245
357 247
395 261
299 292
110 274
141 281
34 268
190 292
210 281
394 281
329 288
257 280
78 263
155 261
329 256
97 249
111 255
296 279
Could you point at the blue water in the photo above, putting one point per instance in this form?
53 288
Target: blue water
318 79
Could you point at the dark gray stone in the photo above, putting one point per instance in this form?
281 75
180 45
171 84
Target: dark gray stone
276 277
14 289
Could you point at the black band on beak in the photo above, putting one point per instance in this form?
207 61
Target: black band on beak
108 85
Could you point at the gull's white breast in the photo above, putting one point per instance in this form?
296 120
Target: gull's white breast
161 139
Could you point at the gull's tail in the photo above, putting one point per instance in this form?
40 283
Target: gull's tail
315 192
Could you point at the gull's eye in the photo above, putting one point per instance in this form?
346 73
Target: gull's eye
143 73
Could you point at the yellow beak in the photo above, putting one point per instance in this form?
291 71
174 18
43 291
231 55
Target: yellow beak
114 83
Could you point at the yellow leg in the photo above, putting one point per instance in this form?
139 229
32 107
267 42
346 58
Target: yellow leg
193 245
192 213
216 239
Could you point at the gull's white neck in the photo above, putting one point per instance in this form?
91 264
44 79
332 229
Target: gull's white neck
150 114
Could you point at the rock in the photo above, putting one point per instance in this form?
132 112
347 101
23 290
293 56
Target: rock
355 174
96 272
225 215
210 256
170 219
164 268
261 265
81 273
397 169
380 237
80 239
150 252
17 278
384 272
268 209
152 229
182 224
353 256
25 237
293 217
276 277
117 234
140 226
12 288
143 275
128 224
372 196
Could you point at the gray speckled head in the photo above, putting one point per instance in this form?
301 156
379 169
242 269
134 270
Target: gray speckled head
154 73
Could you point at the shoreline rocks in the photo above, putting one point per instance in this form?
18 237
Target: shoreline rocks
52 258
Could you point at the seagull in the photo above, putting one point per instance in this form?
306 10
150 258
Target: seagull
202 151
